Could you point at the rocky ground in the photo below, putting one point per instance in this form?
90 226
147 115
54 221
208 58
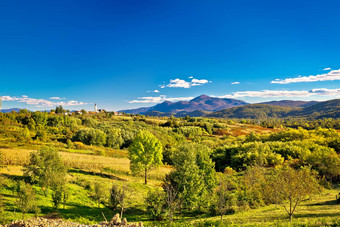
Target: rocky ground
50 222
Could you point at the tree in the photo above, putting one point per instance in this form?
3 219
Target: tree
26 200
118 198
225 198
46 168
145 152
155 202
194 175
171 197
59 110
295 187
60 194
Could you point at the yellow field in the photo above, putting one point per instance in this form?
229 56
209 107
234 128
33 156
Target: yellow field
14 158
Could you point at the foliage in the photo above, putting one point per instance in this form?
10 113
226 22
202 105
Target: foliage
26 200
91 137
99 193
145 152
119 198
194 175
155 204
46 168
295 186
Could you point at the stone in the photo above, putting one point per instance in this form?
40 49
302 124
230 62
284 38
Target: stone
124 222
116 220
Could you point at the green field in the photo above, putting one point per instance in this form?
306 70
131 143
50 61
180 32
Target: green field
223 147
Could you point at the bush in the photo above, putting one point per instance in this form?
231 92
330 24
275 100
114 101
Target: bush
91 137
26 200
155 202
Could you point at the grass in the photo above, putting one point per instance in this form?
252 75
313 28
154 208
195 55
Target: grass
86 169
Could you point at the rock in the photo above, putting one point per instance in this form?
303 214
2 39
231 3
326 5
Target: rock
116 220
124 222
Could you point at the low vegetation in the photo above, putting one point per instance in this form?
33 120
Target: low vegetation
85 168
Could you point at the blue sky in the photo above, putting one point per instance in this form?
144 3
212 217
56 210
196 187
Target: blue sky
118 53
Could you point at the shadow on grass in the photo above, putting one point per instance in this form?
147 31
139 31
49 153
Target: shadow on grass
319 215
92 214
103 175
326 203
15 177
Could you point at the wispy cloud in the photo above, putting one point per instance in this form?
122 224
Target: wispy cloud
56 98
154 91
235 82
179 83
159 99
326 69
330 76
41 102
284 93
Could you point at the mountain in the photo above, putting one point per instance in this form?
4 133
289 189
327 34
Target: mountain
253 111
290 103
203 103
326 109
10 110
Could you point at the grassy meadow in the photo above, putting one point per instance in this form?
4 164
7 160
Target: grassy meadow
88 164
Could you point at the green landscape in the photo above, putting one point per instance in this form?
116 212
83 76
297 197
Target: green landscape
85 167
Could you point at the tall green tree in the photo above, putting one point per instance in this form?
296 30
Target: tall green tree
145 152
194 175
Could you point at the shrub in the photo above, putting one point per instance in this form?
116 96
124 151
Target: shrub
155 202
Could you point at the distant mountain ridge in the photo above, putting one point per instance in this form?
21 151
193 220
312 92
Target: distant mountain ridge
290 103
9 110
232 108
326 109
202 102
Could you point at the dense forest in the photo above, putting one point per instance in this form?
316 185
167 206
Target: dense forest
163 169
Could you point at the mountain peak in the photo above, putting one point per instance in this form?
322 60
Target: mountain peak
201 97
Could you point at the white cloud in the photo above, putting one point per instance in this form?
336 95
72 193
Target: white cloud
196 82
284 93
235 82
159 99
41 102
190 77
155 91
330 76
179 83
56 98
326 69
162 86
186 84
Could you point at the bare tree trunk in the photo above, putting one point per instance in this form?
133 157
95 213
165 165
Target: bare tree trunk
146 175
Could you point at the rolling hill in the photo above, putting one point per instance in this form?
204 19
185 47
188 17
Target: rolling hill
326 109
290 103
10 110
253 111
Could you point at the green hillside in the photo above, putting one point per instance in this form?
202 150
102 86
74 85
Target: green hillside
254 111
327 109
